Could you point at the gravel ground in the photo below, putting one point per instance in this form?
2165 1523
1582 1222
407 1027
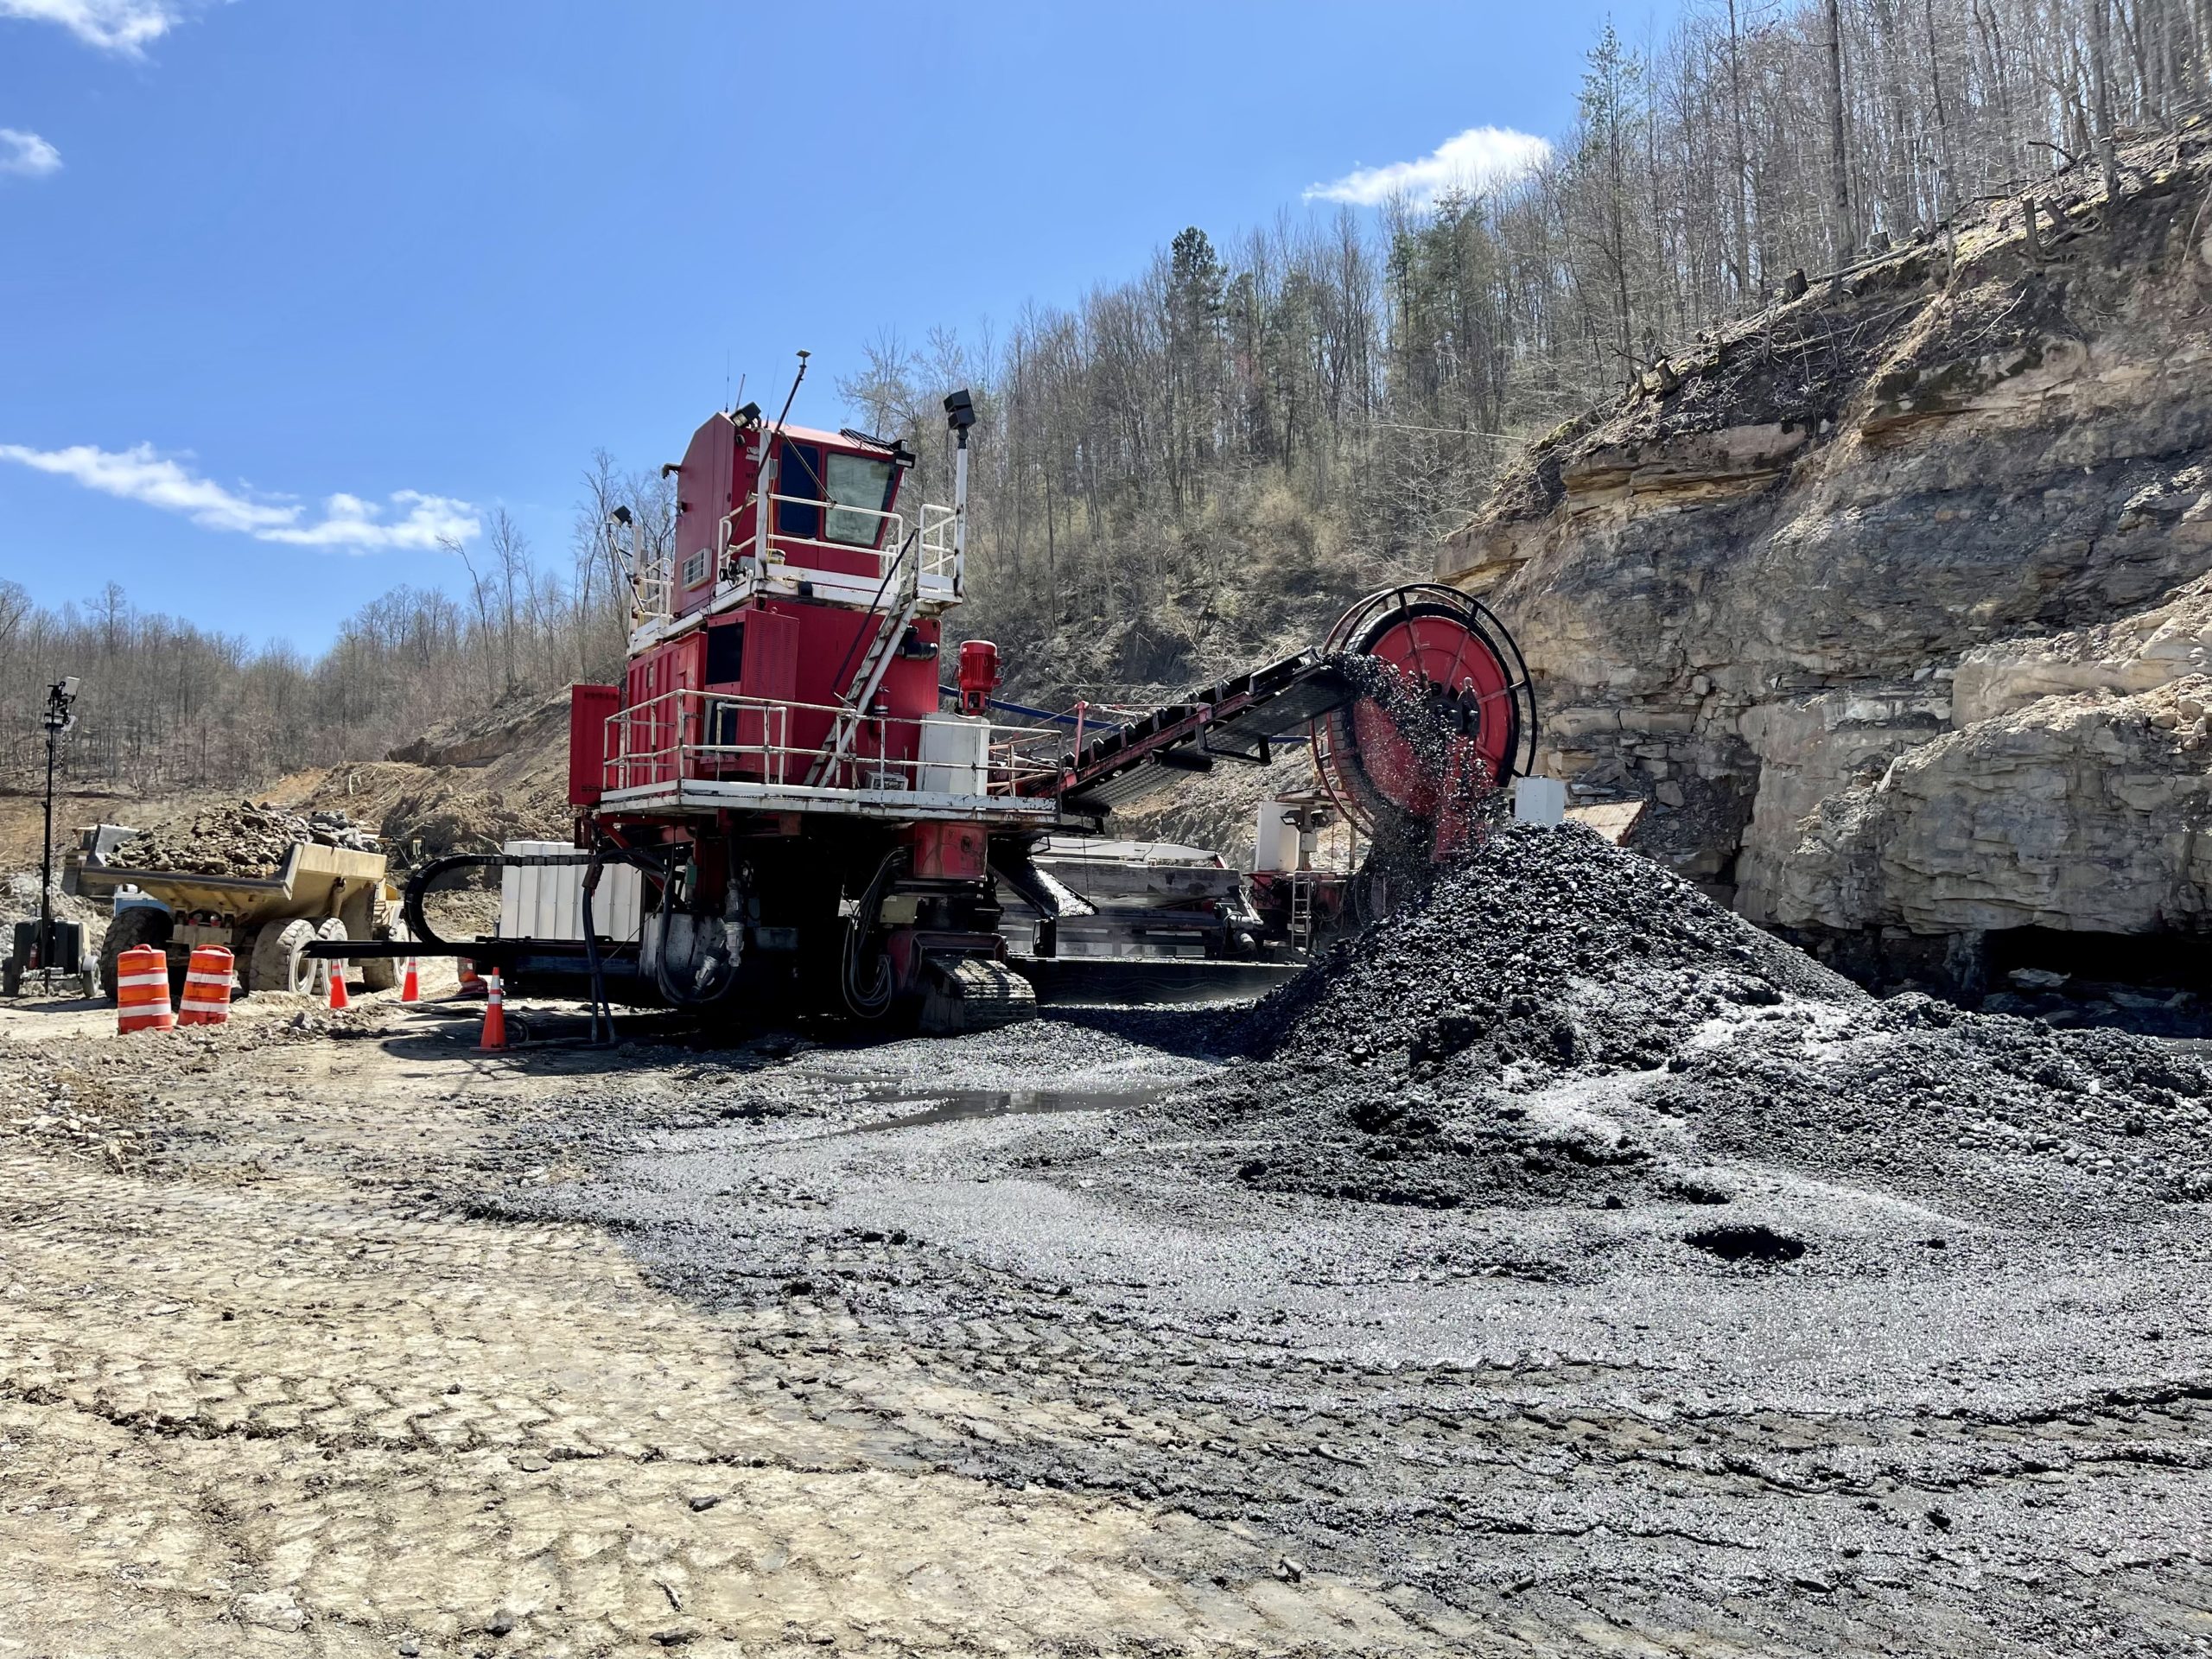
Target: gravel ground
1584 1273
1776 1412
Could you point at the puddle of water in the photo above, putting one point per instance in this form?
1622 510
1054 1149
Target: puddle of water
955 1105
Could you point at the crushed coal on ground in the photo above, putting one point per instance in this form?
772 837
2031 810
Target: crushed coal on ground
1559 1022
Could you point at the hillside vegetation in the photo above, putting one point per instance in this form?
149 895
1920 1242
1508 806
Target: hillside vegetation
1199 463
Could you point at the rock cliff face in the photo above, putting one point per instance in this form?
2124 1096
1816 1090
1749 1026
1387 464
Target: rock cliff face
1889 598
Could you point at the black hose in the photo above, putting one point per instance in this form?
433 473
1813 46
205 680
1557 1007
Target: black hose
684 997
875 1001
410 904
602 1014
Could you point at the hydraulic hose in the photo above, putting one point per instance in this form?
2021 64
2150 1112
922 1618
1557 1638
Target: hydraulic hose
682 995
873 1001
411 903
602 1014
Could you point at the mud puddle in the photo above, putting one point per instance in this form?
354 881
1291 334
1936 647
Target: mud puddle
959 1105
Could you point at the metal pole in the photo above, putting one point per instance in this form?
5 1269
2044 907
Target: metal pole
46 863
59 696
960 512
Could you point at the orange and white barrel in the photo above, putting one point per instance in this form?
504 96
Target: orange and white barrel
141 989
207 988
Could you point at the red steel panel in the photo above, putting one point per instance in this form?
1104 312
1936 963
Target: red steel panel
588 708
703 492
769 672
948 852
771 668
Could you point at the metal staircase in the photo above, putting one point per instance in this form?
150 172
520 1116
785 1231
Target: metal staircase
905 579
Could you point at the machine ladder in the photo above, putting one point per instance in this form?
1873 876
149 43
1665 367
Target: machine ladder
1301 910
904 578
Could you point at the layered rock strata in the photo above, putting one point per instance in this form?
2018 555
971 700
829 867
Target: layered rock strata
1890 600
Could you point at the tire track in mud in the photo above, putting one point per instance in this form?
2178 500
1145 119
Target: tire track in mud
1530 1498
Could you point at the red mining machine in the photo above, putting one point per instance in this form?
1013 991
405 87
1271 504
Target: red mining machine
820 823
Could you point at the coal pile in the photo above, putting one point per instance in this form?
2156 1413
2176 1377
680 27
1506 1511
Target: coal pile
1483 970
243 841
1973 1109
1561 1021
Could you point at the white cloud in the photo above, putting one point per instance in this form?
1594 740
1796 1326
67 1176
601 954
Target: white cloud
27 156
122 26
1478 160
143 474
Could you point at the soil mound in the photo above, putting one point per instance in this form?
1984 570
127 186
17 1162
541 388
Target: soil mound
1559 1020
19 903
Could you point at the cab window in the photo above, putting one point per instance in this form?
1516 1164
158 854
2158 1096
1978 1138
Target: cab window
799 474
860 488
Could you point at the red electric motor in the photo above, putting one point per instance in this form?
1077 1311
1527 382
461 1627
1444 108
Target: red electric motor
979 674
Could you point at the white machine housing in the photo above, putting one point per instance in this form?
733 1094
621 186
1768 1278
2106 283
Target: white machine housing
546 901
1540 800
955 754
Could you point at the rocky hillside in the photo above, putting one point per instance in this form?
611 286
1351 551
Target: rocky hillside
1892 599
465 787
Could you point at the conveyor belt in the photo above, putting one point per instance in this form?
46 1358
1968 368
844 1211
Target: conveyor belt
1240 718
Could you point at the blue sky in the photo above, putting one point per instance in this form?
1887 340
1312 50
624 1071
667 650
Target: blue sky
289 288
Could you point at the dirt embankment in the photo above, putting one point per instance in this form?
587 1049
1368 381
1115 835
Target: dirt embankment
464 787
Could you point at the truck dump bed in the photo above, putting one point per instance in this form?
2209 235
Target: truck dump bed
305 885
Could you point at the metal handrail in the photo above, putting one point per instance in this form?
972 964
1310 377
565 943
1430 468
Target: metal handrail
935 561
652 590
669 722
940 551
620 762
938 554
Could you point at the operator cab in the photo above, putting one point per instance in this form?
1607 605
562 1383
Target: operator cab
791 634
792 512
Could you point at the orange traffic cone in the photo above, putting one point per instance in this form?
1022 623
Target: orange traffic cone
410 989
471 983
495 1015
337 985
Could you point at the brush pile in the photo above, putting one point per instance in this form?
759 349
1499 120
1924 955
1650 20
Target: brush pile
1558 1021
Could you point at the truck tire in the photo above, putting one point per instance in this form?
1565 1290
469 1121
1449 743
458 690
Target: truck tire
277 964
242 946
382 973
332 930
135 925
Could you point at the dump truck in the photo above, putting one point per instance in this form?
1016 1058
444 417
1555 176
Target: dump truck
331 894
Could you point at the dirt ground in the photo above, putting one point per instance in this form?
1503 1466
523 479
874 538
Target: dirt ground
330 1335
